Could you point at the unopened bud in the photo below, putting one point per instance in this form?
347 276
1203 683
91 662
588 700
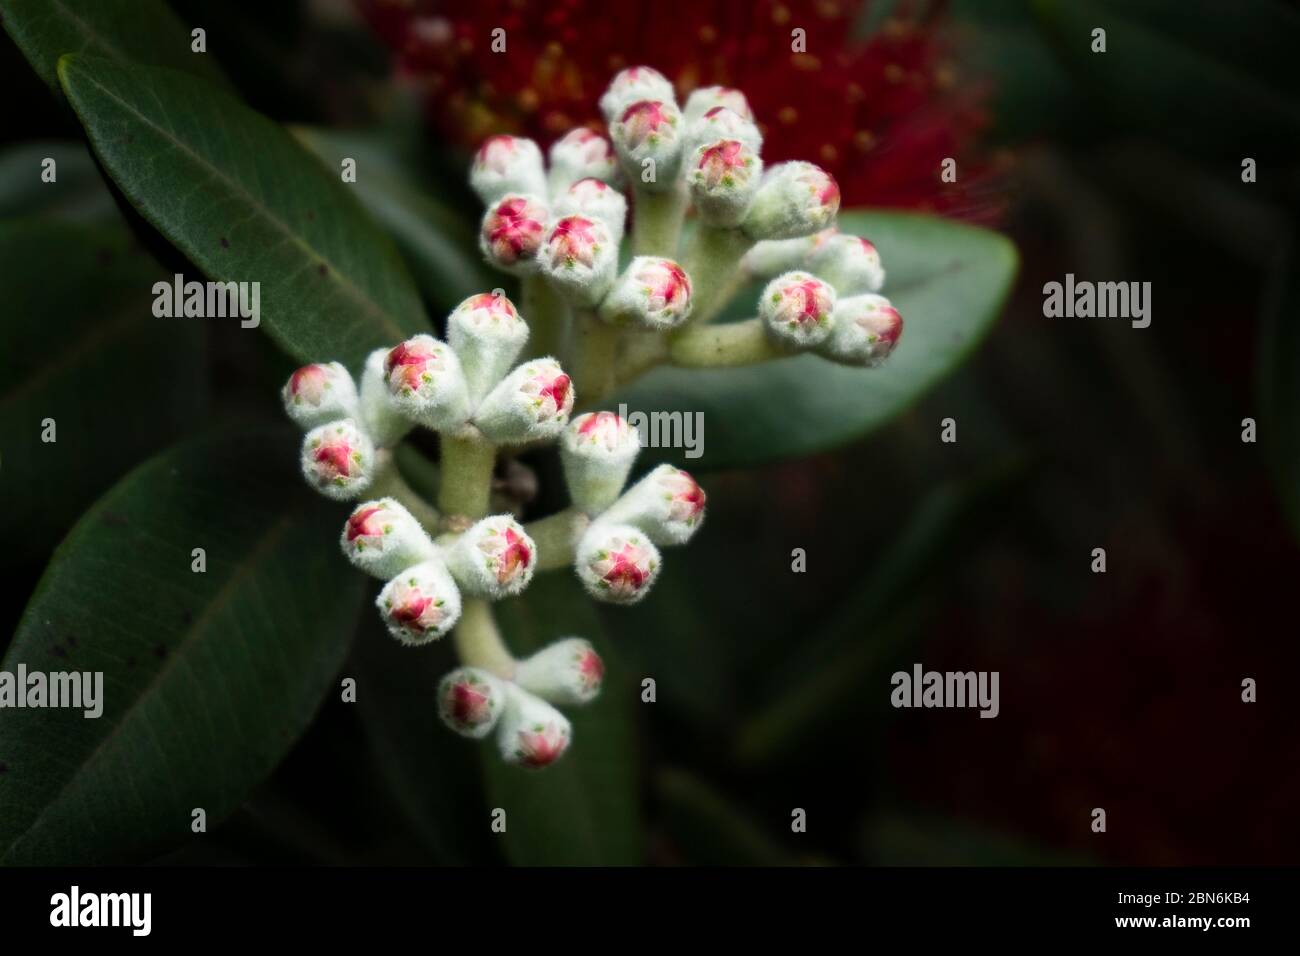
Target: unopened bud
580 258
652 293
706 98
596 452
667 504
633 84
487 334
532 733
319 393
512 232
649 130
797 309
471 701
581 154
532 402
794 199
850 263
383 422
721 123
338 459
426 383
383 539
507 164
495 558
723 178
771 257
593 199
616 563
566 672
867 329
420 604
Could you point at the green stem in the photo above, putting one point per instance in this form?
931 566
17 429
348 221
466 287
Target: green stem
478 641
390 482
725 346
595 350
556 537
712 261
641 352
467 460
658 220
547 316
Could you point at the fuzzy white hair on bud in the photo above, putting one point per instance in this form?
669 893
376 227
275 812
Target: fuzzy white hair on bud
426 383
531 733
487 334
652 293
383 539
319 393
723 178
420 604
566 672
617 563
597 451
581 154
512 231
867 330
383 422
797 309
794 199
722 123
338 459
593 199
471 701
771 257
493 559
705 98
580 258
649 130
633 84
507 164
850 263
667 504
533 402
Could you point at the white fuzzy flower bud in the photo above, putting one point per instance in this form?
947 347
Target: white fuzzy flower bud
616 562
794 199
532 402
596 452
797 309
512 232
721 123
383 539
531 733
652 293
507 164
566 672
319 393
471 701
383 422
706 98
850 263
771 257
487 334
425 382
338 459
580 258
420 604
667 504
581 154
723 178
633 84
495 558
649 130
593 199
867 329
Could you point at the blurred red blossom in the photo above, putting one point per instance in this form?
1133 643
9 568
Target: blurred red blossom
881 112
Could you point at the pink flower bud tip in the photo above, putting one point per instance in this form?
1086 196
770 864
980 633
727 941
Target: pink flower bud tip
533 734
383 538
512 232
532 402
471 701
667 504
421 604
633 84
494 558
425 381
594 199
794 199
580 257
617 563
867 330
797 309
507 164
567 672
337 458
580 154
709 98
652 293
320 393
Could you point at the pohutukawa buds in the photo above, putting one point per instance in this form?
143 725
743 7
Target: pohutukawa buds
649 129
320 393
706 98
567 672
794 199
667 504
581 154
420 604
426 383
580 258
652 293
723 178
512 232
507 164
382 538
797 309
633 84
487 334
867 329
771 257
722 123
532 733
850 263
597 451
495 558
383 422
616 562
338 459
593 199
532 402
471 701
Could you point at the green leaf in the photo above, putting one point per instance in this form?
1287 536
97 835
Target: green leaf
83 349
898 839
247 203
709 829
78 193
948 280
208 678
582 810
438 243
126 31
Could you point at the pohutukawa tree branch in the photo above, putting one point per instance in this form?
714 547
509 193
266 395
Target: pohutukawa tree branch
559 230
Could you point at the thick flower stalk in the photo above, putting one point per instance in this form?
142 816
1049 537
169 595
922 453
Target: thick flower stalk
505 378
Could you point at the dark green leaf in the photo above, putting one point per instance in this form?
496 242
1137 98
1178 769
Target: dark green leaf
83 349
948 280
708 829
247 203
208 678
139 31
895 839
583 810
78 194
